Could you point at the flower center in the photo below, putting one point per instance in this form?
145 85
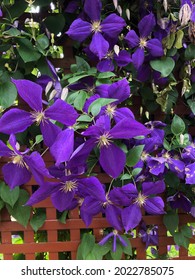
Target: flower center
142 43
96 26
104 140
38 117
69 186
110 110
141 199
166 155
18 159
110 55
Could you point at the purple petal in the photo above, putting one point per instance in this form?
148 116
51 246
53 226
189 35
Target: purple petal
14 121
93 10
99 46
42 193
30 92
15 175
49 131
62 148
146 25
190 173
155 47
62 200
131 217
92 187
37 166
112 160
128 128
105 239
112 25
138 58
4 150
123 58
62 112
113 216
153 187
132 39
105 65
122 113
154 205
119 90
123 242
79 30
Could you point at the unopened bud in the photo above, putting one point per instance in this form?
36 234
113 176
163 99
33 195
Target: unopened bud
119 9
185 14
128 14
115 2
116 49
181 139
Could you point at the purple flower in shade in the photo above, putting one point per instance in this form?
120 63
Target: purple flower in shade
17 120
149 234
43 80
152 204
179 200
188 153
153 46
21 166
1 13
192 211
112 159
111 26
190 173
115 235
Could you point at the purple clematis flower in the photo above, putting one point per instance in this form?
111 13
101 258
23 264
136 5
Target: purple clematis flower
21 166
1 13
179 200
17 120
190 173
112 159
132 215
153 46
149 234
115 235
111 26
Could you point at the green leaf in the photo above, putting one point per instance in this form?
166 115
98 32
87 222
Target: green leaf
55 23
96 105
7 195
20 212
181 240
186 231
179 39
86 245
118 253
81 64
80 100
171 221
191 104
42 42
106 75
84 118
8 94
164 66
27 51
99 251
136 171
2 204
38 219
63 217
39 138
126 176
127 249
133 156
189 52
177 125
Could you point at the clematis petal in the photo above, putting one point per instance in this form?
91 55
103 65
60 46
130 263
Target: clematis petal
37 166
132 39
105 65
138 58
119 90
123 58
128 128
62 200
30 92
62 148
79 30
131 217
19 175
93 10
154 205
99 46
122 113
15 121
92 187
112 159
155 48
49 131
146 25
62 112
112 25
153 187
42 193
4 150
113 216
